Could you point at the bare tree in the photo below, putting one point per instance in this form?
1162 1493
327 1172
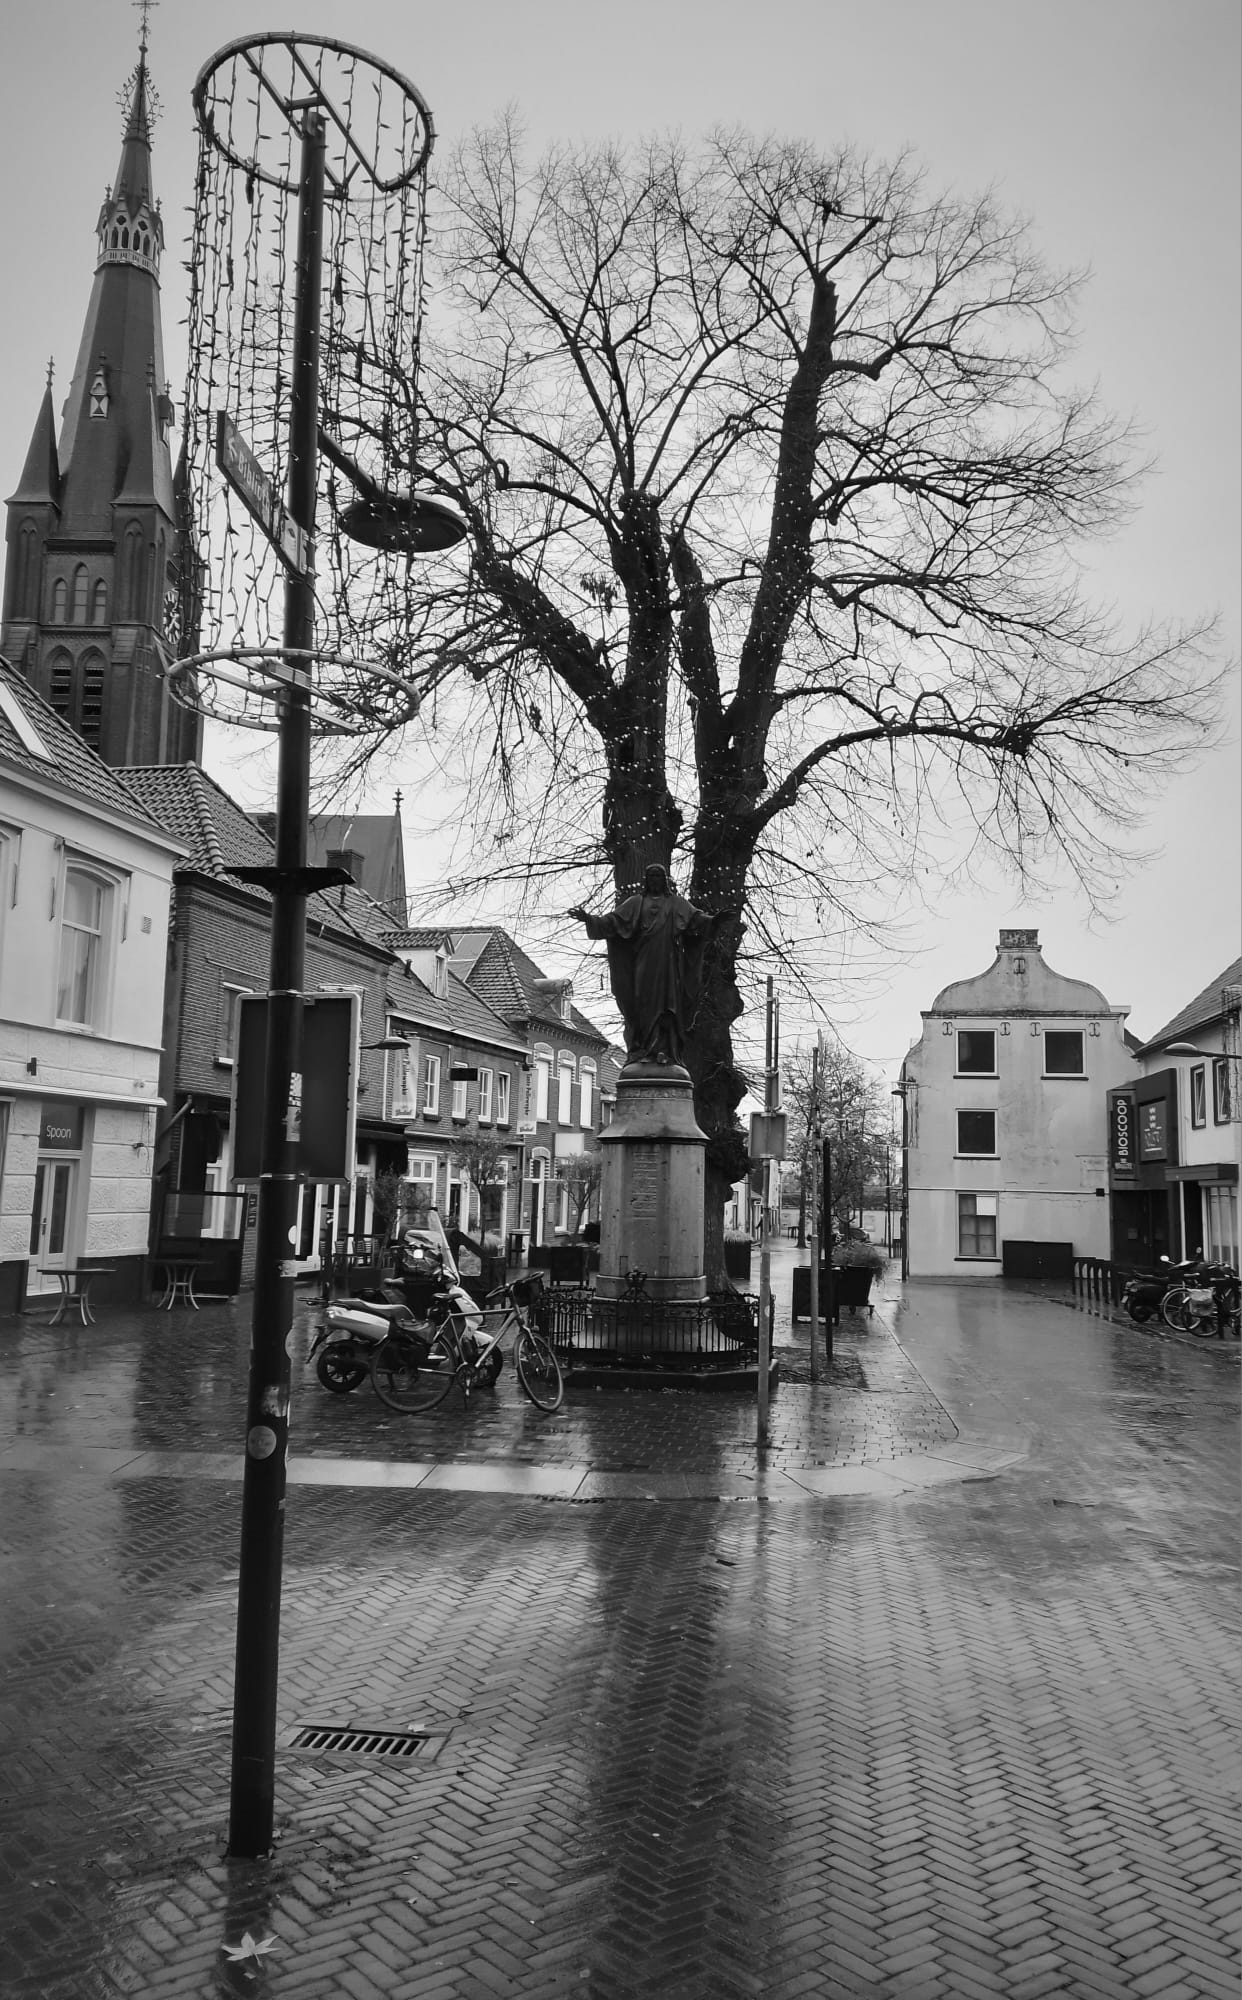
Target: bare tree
580 1175
775 486
841 1100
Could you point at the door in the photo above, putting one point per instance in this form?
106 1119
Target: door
50 1220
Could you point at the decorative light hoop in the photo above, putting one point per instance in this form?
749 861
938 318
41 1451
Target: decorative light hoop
339 176
265 683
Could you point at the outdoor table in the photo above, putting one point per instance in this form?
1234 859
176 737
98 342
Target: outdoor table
179 1276
75 1290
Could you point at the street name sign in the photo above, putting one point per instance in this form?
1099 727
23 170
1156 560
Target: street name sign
256 488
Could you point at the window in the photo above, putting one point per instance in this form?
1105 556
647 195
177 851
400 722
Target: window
1063 1052
976 1052
92 698
1198 1095
502 1097
1222 1091
976 1225
459 1098
60 602
565 1092
1220 1223
80 581
431 1086
421 1175
80 973
586 1096
976 1133
485 1097
543 1085
99 604
5 1106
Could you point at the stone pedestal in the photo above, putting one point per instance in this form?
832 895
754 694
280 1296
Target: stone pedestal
651 1199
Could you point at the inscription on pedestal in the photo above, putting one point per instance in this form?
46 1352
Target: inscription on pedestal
645 1182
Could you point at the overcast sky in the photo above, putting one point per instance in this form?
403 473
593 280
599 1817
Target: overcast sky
1113 124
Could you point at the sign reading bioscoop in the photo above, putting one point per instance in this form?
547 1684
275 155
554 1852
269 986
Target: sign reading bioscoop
1121 1133
61 1127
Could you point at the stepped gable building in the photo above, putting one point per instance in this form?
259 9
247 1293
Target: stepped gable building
1175 1135
99 590
85 883
1006 1135
561 1111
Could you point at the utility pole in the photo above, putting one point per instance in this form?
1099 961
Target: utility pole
771 1046
813 1151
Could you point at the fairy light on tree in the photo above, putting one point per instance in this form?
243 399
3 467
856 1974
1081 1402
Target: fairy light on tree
775 482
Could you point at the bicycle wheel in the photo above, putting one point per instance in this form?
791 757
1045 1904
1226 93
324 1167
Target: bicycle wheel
1171 1307
412 1375
538 1370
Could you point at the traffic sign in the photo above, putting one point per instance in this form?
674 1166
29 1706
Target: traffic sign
256 488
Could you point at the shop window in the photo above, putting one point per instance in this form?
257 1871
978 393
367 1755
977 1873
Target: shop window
1220 1225
1063 1052
485 1096
1222 1091
976 1052
421 1179
976 1134
503 1087
1198 1095
976 1225
431 1086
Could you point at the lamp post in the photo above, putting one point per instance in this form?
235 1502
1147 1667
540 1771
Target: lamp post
243 76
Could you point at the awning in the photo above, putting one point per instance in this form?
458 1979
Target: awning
1206 1171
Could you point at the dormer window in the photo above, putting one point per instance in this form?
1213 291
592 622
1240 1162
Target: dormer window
567 1000
440 979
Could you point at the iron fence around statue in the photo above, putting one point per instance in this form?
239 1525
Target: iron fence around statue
715 1333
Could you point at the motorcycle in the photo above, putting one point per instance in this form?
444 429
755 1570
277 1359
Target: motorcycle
1143 1294
430 1288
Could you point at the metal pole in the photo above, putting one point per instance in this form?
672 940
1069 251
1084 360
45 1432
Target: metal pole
253 1782
812 1148
831 1301
765 1255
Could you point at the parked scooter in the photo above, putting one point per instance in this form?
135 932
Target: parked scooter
426 1289
1143 1294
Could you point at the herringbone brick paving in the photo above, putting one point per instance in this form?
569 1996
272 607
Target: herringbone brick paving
978 1741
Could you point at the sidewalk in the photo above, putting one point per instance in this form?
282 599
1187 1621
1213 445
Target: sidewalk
702 1724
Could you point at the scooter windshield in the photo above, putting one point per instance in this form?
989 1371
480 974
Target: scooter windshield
429 1238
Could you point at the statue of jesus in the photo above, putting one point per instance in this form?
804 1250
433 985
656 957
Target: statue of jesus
655 960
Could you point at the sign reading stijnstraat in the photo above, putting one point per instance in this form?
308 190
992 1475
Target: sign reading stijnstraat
256 488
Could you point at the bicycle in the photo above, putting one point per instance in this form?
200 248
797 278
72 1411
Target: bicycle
414 1367
1206 1307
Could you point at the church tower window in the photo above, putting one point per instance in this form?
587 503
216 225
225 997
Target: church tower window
99 604
80 581
60 602
60 685
92 699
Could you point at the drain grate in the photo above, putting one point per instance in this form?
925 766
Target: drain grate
355 1742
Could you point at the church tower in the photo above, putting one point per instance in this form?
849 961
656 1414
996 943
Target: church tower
98 581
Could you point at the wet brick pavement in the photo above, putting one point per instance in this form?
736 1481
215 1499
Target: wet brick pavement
963 1723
